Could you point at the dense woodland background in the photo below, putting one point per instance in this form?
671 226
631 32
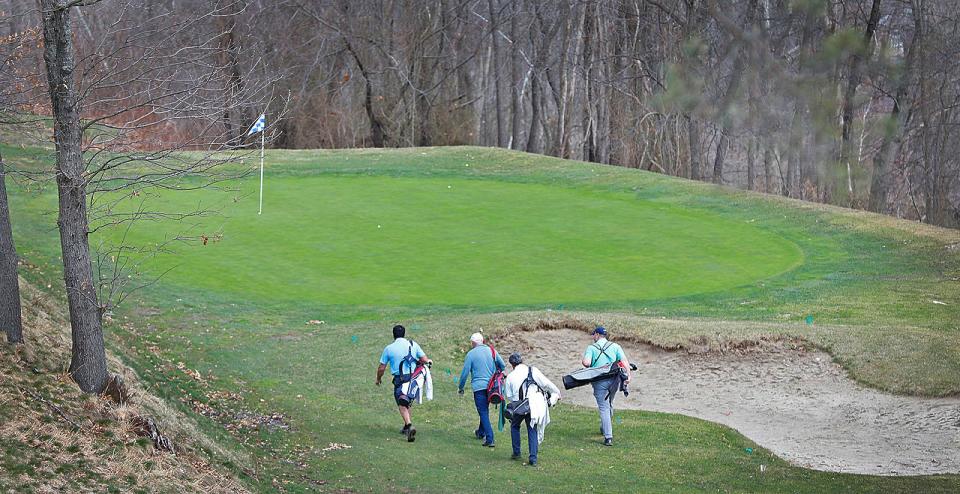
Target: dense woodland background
855 103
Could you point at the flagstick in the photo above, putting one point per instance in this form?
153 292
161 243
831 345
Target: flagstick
263 139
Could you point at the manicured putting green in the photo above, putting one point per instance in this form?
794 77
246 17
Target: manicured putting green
378 240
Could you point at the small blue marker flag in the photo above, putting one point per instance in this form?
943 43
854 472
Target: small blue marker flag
258 125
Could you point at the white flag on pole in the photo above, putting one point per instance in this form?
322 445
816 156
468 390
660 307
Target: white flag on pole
258 125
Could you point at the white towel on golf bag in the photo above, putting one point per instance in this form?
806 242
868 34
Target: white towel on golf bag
540 411
428 384
416 388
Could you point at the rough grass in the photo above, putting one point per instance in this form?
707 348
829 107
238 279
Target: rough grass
53 438
316 380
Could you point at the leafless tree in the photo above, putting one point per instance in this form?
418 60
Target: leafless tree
146 86
10 321
822 100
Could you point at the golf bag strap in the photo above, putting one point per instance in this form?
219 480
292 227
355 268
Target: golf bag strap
603 351
409 357
528 381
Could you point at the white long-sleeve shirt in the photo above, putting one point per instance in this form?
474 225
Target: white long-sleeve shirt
515 380
539 411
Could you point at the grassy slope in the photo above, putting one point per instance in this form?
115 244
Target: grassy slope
867 280
42 451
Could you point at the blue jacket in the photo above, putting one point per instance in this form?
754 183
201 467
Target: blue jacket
480 364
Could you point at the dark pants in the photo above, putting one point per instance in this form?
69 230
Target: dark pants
483 409
398 395
531 438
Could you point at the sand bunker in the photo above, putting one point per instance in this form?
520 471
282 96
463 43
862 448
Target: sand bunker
796 403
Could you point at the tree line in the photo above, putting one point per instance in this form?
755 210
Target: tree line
852 103
838 101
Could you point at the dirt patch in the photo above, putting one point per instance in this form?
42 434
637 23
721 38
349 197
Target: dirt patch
791 400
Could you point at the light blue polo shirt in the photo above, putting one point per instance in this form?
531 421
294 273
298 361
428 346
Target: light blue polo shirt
613 353
394 353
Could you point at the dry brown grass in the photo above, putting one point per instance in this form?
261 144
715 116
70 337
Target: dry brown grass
54 438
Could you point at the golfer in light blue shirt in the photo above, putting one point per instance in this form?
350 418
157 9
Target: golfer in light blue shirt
481 362
393 358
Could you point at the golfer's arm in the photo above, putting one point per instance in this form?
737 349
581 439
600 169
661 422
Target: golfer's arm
463 375
380 371
543 381
424 359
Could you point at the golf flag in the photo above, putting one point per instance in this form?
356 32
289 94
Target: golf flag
258 125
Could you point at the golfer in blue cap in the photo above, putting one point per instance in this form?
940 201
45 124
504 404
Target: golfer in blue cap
600 353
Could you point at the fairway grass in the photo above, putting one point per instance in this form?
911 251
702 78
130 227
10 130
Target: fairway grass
472 237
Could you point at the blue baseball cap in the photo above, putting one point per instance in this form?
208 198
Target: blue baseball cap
599 330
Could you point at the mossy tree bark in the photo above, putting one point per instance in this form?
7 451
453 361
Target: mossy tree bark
10 321
88 363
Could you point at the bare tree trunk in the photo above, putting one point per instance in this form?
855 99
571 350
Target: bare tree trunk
751 161
938 202
541 53
376 127
10 321
495 39
719 157
693 133
790 187
516 85
767 158
590 116
725 123
603 89
229 55
798 125
533 133
88 363
883 178
736 76
853 81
